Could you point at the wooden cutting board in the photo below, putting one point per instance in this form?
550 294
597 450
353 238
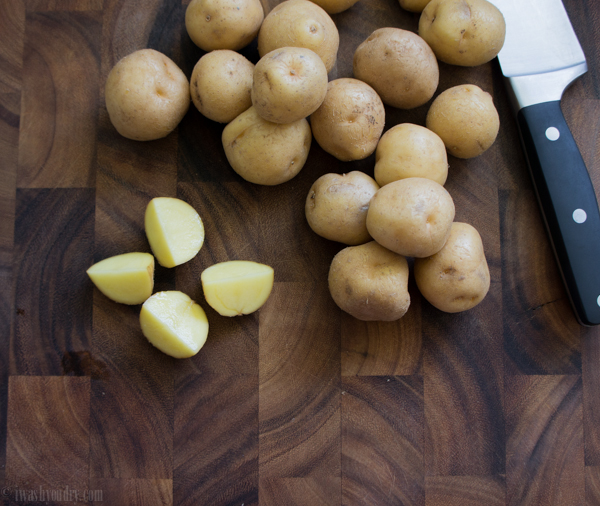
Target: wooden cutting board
298 404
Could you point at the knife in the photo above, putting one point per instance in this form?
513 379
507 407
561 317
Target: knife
540 58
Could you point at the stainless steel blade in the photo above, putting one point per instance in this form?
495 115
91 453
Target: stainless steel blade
539 38
541 55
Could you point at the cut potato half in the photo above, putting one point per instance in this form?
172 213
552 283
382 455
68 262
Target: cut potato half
237 287
174 230
174 324
127 278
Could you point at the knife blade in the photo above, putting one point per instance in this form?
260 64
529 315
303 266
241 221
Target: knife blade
540 58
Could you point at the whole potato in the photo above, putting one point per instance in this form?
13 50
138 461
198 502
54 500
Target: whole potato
466 120
223 24
457 277
370 282
408 150
463 32
263 152
300 23
221 85
289 84
147 95
335 6
336 206
349 122
413 5
399 65
411 216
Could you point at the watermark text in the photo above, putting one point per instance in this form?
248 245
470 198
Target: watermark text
42 494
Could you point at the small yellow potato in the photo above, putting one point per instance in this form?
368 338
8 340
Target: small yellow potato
237 287
223 24
411 216
370 282
408 150
126 278
466 120
300 23
266 153
399 65
174 324
146 95
457 277
221 85
463 32
413 5
289 84
174 230
350 121
336 206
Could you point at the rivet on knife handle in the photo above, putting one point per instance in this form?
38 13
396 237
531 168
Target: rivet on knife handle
568 202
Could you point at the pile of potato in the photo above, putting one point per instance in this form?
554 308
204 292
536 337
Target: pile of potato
273 110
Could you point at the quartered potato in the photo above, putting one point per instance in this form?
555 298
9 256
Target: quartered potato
237 287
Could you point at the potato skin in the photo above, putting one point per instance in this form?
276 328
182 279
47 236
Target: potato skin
465 32
289 84
266 153
300 23
223 24
147 95
466 119
411 216
221 84
457 277
370 282
336 206
399 65
408 150
350 121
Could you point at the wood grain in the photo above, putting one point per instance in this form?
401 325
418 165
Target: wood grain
308 491
463 378
9 135
130 492
54 241
383 440
383 348
59 106
127 179
591 402
298 404
12 26
541 336
52 449
299 391
541 408
216 435
216 439
132 398
592 485
465 491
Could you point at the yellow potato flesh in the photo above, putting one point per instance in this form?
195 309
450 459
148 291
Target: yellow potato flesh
174 229
237 287
127 278
174 324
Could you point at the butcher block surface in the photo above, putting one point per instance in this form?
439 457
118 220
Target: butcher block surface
298 404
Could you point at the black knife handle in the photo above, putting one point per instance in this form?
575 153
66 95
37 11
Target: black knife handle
568 202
